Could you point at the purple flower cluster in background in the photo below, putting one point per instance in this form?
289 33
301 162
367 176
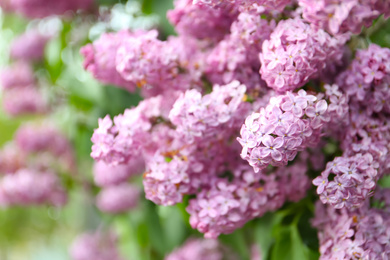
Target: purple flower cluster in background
31 166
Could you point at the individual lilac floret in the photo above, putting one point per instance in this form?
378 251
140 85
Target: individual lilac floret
118 198
295 54
100 59
340 16
106 175
18 75
99 245
30 187
362 233
43 8
262 5
197 116
200 21
22 101
288 124
119 141
29 46
205 249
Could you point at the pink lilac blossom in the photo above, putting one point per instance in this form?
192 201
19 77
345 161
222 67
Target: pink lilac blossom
365 135
236 56
118 198
205 249
158 67
354 233
17 75
222 109
99 59
342 16
200 21
226 206
29 46
30 187
124 138
44 8
297 53
98 245
25 100
106 175
288 124
40 138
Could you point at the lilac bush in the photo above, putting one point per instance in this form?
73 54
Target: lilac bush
254 119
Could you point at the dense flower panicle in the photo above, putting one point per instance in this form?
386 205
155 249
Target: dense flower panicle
236 56
227 206
34 138
118 141
159 67
106 175
367 79
342 16
99 59
365 131
43 8
201 21
99 245
205 249
18 75
221 110
354 179
245 5
118 198
297 53
29 187
353 234
288 124
25 100
29 46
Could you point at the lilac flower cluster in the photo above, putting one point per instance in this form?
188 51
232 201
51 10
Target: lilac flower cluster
201 21
28 187
141 60
197 116
117 195
208 85
365 134
100 62
236 56
29 46
228 206
99 245
21 95
29 167
354 234
341 16
296 53
288 124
